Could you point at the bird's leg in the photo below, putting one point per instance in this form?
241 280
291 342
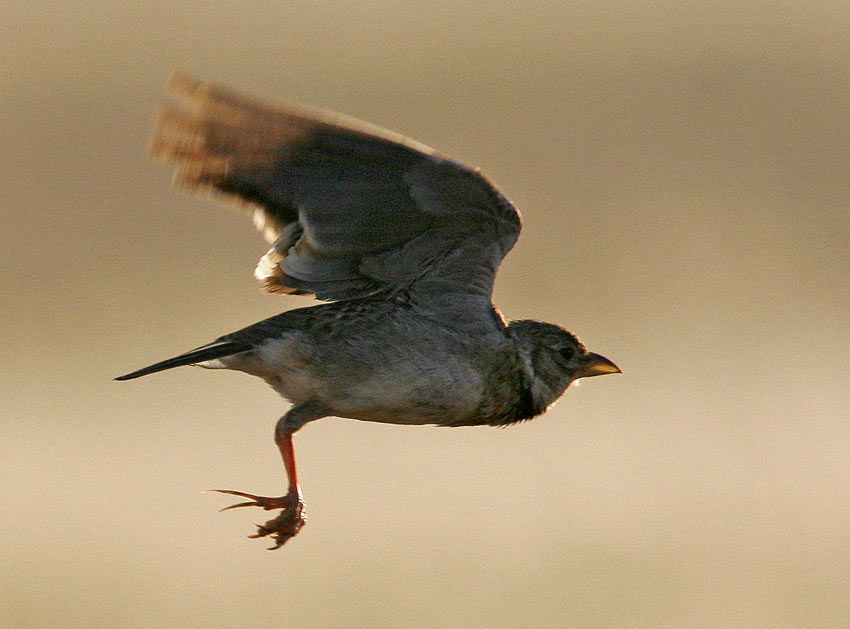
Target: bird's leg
292 518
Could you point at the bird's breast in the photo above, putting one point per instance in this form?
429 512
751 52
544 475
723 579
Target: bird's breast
410 372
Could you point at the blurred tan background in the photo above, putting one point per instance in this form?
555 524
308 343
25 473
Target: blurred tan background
683 170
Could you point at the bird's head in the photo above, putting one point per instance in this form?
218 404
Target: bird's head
554 358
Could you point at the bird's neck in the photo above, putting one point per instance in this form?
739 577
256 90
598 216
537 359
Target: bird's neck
537 393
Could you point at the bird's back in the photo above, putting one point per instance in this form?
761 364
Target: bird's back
387 360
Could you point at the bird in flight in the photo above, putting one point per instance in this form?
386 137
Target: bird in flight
401 242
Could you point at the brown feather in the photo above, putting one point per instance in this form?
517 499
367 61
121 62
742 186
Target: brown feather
334 196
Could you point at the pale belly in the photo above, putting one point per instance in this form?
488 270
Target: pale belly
386 400
413 390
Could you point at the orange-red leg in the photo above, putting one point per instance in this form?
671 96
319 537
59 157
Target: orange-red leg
286 525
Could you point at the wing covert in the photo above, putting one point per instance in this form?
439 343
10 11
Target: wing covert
350 209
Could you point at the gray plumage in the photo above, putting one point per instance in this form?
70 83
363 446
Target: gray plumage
405 245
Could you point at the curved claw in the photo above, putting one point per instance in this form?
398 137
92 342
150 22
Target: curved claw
264 502
282 528
252 503
233 492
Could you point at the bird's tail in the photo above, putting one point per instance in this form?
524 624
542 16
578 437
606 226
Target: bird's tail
202 354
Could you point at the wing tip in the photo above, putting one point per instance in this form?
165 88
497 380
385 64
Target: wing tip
180 82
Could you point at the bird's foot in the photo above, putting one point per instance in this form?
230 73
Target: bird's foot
281 528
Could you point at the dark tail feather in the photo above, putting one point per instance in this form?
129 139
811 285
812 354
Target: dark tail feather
208 352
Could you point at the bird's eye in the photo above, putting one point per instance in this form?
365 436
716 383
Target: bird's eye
567 352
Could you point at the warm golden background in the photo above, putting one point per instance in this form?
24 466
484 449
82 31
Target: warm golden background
683 169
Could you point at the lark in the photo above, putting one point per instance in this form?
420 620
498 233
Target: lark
402 243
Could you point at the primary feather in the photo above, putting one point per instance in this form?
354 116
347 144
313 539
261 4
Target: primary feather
351 209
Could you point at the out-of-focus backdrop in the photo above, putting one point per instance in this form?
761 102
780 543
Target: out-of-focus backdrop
683 170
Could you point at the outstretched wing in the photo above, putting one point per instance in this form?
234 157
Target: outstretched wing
350 209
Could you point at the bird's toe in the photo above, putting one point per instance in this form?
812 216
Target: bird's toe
281 528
